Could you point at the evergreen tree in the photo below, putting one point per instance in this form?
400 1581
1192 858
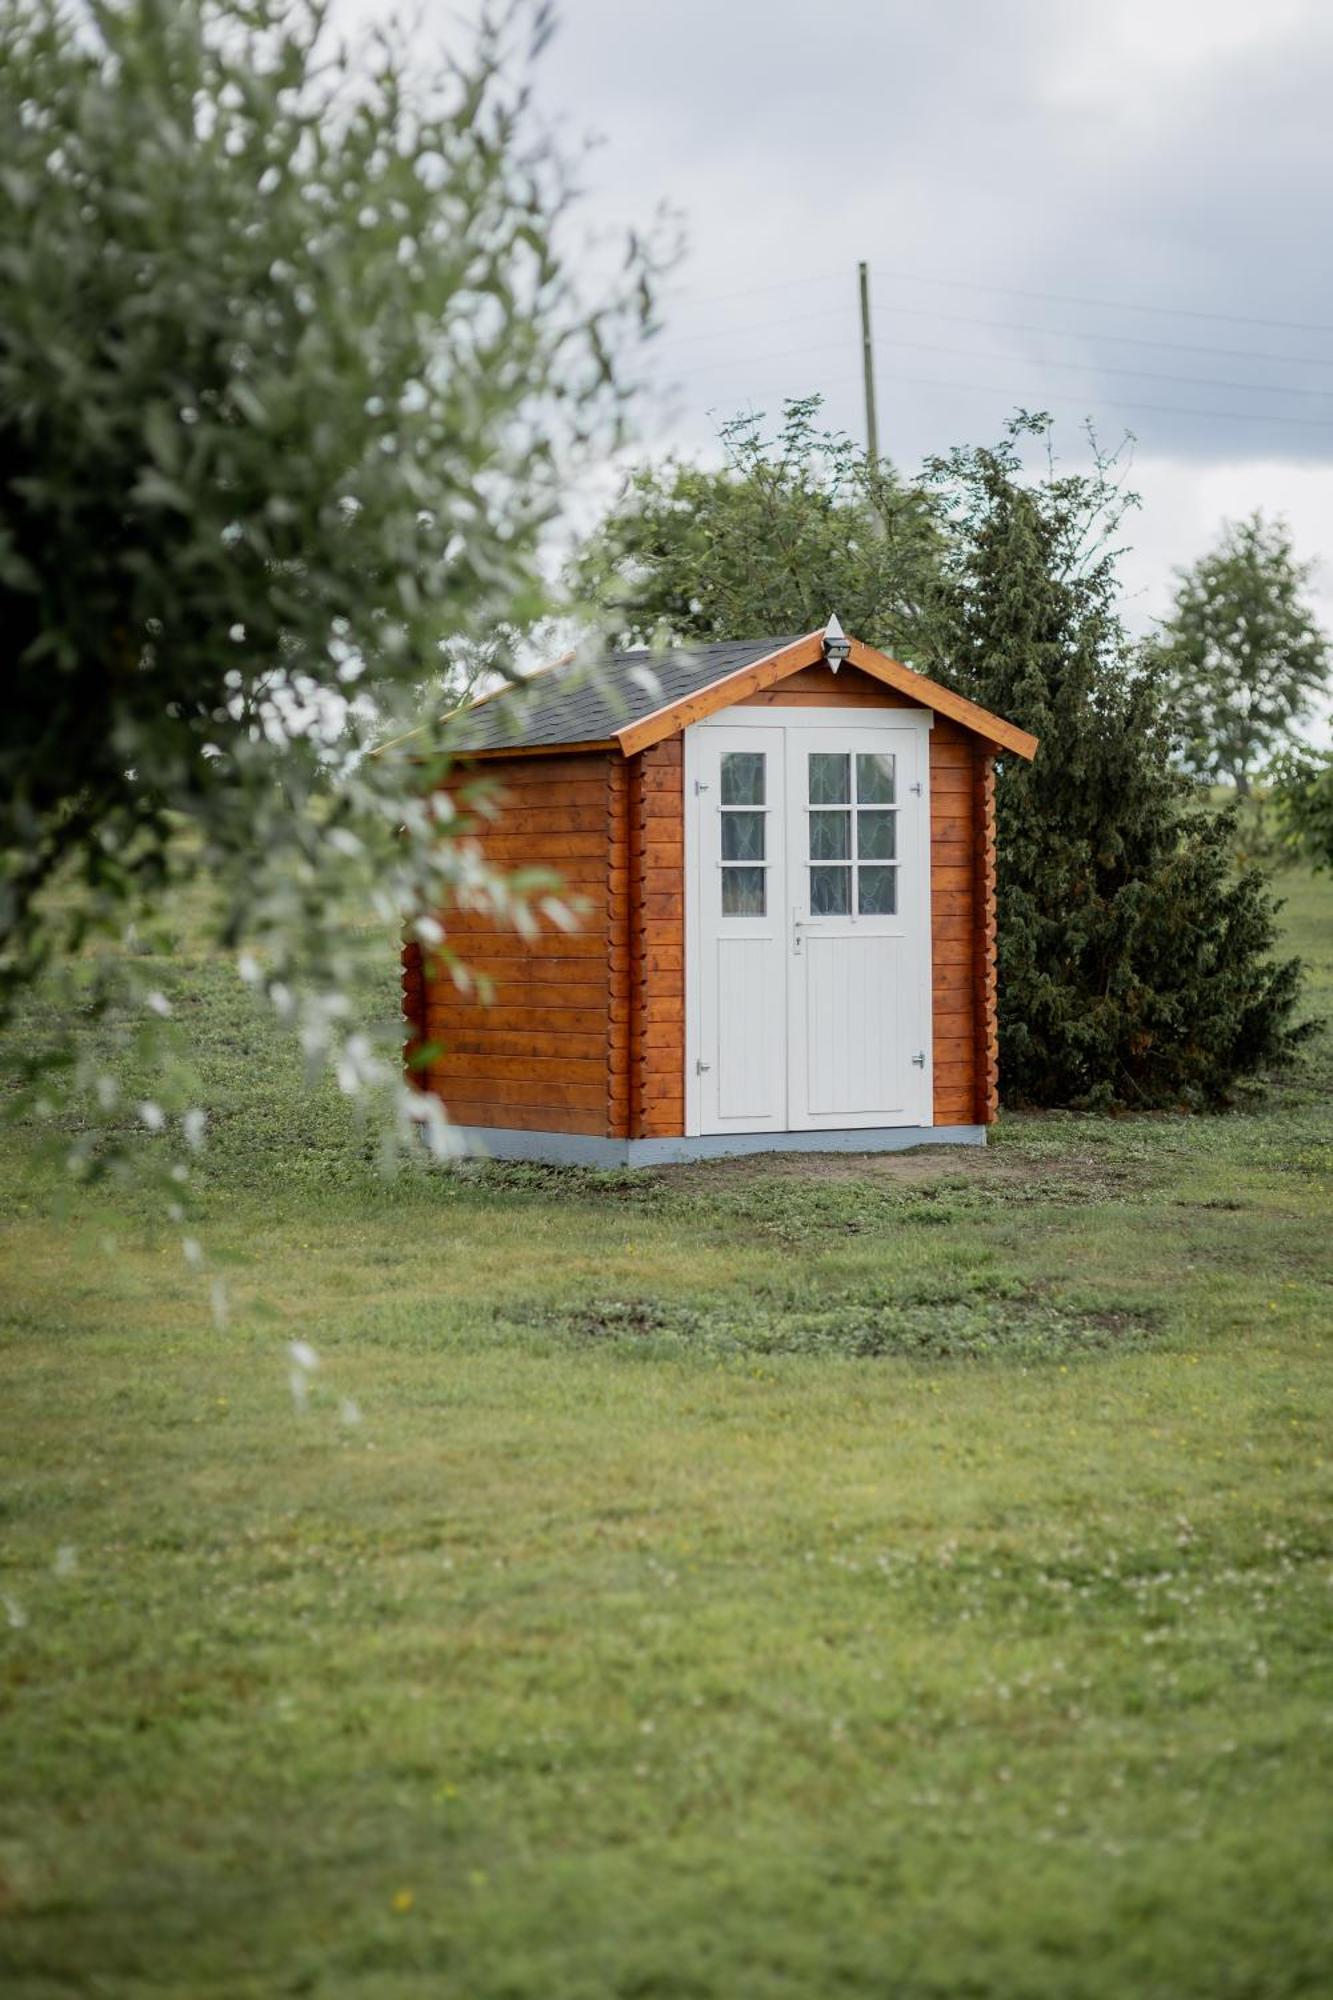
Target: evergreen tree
1135 966
1242 652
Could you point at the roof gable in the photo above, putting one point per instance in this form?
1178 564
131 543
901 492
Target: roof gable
757 675
629 701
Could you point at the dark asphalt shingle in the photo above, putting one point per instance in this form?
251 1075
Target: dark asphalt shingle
587 701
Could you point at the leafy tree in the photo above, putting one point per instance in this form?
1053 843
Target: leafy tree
1302 791
787 530
1242 651
292 379
1135 965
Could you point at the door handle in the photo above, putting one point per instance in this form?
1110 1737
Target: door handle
797 926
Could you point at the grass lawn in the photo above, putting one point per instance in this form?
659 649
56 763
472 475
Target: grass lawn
904 1577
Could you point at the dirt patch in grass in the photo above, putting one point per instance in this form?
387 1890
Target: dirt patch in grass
906 1169
1026 1324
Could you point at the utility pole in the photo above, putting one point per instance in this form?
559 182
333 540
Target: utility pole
868 365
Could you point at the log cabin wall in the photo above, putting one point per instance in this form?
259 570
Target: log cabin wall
549 1053
657 940
954 922
986 1025
585 1032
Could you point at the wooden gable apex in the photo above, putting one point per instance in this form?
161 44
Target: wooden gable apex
807 652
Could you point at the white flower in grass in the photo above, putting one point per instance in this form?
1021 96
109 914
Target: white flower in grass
304 1363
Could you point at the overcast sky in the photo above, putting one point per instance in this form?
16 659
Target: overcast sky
1119 211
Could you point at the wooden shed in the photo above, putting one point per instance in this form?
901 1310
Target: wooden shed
786 855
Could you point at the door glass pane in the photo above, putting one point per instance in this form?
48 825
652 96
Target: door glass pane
875 833
742 836
877 892
830 778
743 892
830 892
742 777
874 779
830 836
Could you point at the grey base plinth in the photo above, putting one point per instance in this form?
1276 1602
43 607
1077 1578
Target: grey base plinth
579 1149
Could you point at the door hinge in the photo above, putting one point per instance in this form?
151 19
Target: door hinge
700 1065
919 1060
699 786
916 789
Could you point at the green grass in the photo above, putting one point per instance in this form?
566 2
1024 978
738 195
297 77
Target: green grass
909 1577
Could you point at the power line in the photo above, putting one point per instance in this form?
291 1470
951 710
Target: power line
1020 292
1031 361
672 340
1119 305
1094 403
1094 368
1123 339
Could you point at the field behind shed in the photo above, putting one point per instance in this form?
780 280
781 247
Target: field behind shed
906 1576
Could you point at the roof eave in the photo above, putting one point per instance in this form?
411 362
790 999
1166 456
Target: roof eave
1004 737
752 678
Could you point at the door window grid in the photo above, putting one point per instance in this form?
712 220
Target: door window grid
844 878
743 842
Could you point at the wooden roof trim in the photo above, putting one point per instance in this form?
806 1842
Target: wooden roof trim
807 652
733 687
491 751
1005 735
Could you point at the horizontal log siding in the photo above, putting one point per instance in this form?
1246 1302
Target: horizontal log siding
820 687
657 930
987 985
620 902
414 1011
954 878
545 1051
586 1032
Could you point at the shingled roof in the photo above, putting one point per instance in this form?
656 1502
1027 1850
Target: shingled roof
632 700
589 700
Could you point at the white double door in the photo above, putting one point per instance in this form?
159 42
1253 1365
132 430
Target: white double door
808 920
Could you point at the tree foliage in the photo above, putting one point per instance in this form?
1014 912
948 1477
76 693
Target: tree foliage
1302 793
1242 652
292 379
786 530
1135 965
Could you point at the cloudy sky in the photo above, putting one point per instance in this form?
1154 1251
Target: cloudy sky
1117 211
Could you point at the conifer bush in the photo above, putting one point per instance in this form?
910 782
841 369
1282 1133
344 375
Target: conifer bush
1135 963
